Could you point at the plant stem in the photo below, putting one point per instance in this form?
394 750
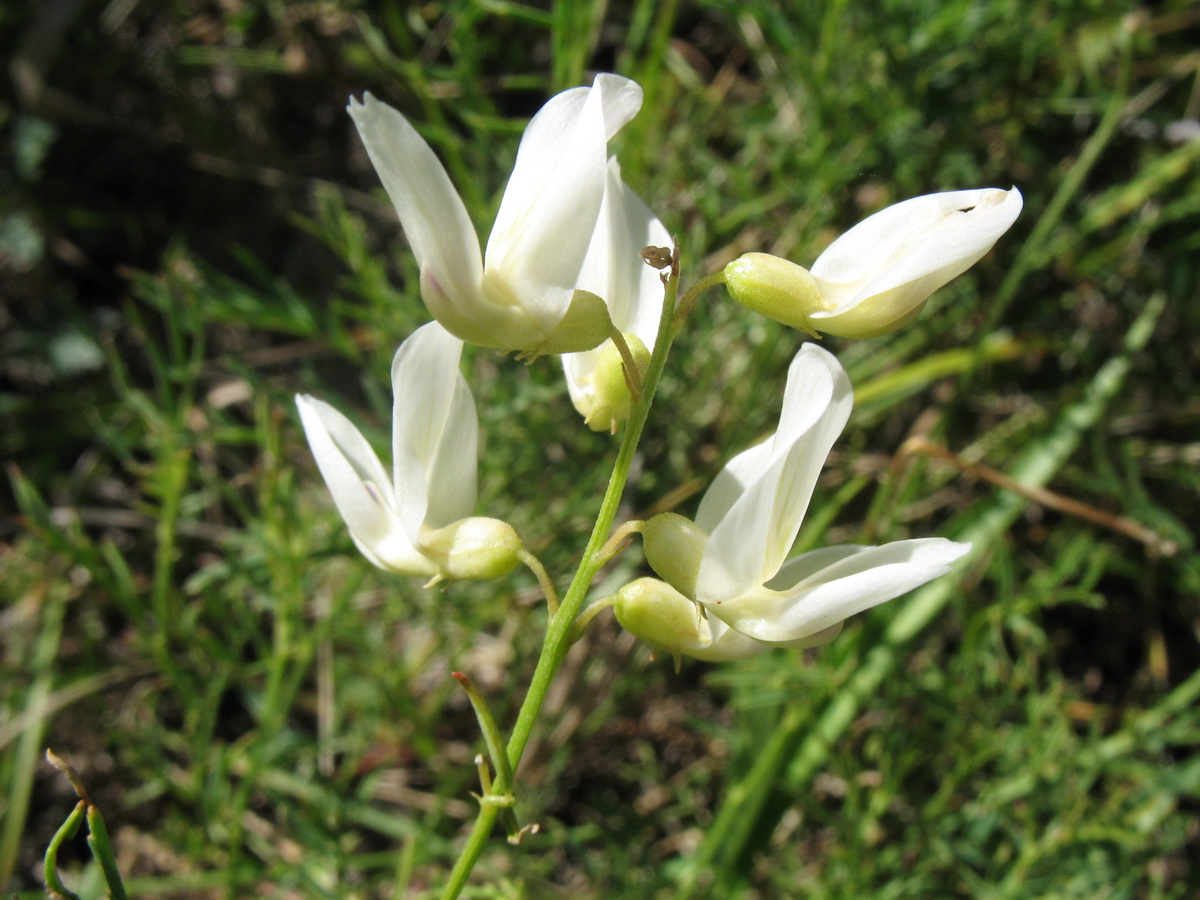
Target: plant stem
559 632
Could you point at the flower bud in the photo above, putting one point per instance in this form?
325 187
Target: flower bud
674 546
778 289
474 549
661 616
609 395
664 618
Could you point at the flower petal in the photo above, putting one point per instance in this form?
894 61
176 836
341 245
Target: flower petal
548 214
360 487
857 579
435 432
760 498
614 270
919 244
430 209
724 643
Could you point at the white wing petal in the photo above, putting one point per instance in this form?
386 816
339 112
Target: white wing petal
859 578
433 215
614 270
360 488
753 535
919 245
435 431
550 206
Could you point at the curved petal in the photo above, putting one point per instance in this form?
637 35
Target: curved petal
919 244
548 214
724 643
435 431
753 534
433 215
861 577
614 270
360 488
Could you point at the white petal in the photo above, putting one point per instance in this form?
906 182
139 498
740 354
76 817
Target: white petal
632 289
433 215
614 270
918 245
435 432
861 577
549 210
724 643
760 499
360 487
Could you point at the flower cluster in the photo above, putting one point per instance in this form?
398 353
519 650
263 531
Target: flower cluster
562 274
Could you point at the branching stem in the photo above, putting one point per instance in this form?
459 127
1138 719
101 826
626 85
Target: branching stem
562 627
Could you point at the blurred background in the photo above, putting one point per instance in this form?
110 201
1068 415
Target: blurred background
190 233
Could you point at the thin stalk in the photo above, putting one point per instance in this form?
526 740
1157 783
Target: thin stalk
633 378
102 851
689 299
539 572
557 641
495 747
593 609
561 627
66 831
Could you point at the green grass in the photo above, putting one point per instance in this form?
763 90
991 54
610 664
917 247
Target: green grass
189 235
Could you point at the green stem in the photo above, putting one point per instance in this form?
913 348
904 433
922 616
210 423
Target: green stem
102 851
689 298
471 851
560 630
495 747
557 641
54 887
539 572
593 610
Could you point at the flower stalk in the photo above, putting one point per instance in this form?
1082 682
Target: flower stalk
561 627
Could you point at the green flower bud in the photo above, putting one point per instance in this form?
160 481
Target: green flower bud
474 549
674 546
610 396
661 616
778 289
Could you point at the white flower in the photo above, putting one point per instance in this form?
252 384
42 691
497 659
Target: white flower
417 521
523 295
731 560
876 277
614 269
